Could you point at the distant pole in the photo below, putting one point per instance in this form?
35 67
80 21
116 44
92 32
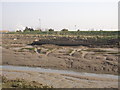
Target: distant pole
75 27
40 23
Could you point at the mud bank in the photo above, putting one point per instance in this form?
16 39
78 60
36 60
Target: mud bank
85 60
60 79
43 70
17 51
36 39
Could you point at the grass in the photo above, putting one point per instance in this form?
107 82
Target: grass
70 51
102 51
118 53
50 49
95 50
22 49
29 49
79 33
94 36
20 83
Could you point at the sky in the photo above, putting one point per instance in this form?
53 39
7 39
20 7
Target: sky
70 14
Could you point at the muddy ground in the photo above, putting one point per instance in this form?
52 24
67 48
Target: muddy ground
57 80
16 50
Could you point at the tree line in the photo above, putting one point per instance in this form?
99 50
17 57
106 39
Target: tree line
31 29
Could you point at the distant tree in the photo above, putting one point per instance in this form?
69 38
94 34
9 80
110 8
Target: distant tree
28 29
101 30
31 29
18 31
78 30
64 30
51 30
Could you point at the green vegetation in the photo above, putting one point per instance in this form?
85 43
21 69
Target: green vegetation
115 53
70 51
96 50
28 48
102 51
101 36
64 30
22 49
20 83
78 33
89 37
51 30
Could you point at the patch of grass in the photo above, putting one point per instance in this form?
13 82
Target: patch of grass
95 50
70 51
22 49
98 50
118 53
20 83
79 33
50 49
28 48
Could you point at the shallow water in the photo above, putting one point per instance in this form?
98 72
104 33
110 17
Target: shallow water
38 69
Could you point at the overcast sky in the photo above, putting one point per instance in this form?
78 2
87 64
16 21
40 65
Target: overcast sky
97 14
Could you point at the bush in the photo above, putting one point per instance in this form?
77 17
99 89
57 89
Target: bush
64 30
51 30
28 29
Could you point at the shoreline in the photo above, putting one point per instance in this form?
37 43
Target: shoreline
16 50
56 60
50 70
62 80
54 68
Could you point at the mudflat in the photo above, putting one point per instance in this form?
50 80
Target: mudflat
16 50
22 50
59 80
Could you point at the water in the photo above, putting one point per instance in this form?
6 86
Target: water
38 69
